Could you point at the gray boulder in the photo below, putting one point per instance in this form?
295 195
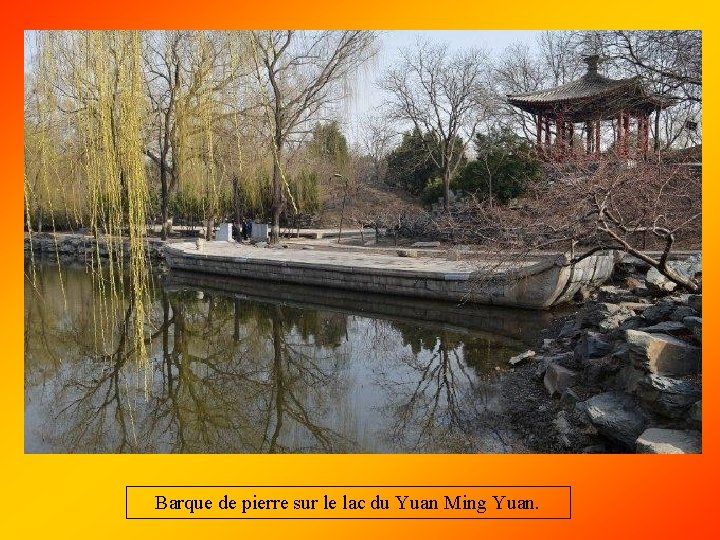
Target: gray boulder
594 313
667 396
669 441
601 371
695 414
592 345
694 324
616 416
695 302
688 269
680 312
666 327
663 354
520 357
660 311
557 379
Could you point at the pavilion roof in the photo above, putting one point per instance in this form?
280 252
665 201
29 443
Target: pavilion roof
592 96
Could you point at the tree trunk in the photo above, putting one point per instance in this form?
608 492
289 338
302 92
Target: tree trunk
278 198
164 202
237 228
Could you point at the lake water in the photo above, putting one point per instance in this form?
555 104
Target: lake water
255 367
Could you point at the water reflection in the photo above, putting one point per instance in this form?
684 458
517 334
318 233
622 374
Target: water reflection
249 367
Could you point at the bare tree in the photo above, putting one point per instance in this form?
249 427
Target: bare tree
441 94
377 139
188 77
552 61
652 206
300 75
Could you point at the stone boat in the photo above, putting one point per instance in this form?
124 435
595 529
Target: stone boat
537 282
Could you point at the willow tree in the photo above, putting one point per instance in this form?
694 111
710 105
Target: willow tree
300 76
94 82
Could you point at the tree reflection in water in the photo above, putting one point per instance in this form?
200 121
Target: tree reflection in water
447 395
230 374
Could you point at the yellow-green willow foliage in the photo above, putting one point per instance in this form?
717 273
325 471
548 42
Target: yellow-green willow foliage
94 82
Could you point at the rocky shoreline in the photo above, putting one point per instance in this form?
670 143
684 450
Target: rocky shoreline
622 374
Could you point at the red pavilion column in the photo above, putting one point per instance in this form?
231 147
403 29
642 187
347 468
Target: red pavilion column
621 134
538 133
597 138
645 134
588 138
548 150
626 134
560 136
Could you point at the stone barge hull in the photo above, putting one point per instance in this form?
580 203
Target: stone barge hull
537 283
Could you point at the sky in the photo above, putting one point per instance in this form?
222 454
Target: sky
367 98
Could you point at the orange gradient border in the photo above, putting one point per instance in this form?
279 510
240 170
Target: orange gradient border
83 496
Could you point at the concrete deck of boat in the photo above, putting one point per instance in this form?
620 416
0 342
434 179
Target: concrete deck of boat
350 261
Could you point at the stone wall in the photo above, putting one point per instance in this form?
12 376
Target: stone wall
80 248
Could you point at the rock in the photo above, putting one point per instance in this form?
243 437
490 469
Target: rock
667 396
564 428
669 441
558 378
594 313
616 416
426 245
666 327
622 352
632 323
694 324
412 253
663 354
628 378
261 244
625 269
564 359
634 306
695 302
695 414
608 289
680 298
599 371
592 345
569 397
547 343
540 369
520 357
657 283
594 449
689 268
569 329
634 283
659 312
614 321
680 312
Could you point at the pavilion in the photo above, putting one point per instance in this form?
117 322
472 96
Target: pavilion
594 102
